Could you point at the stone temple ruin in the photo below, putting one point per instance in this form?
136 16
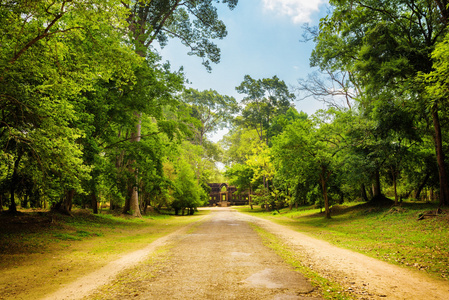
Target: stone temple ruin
221 194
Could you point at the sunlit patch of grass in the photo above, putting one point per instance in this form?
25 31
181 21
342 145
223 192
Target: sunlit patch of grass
390 234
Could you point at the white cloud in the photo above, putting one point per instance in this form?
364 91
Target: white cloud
298 10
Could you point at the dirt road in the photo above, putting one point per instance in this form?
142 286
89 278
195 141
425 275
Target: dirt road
223 258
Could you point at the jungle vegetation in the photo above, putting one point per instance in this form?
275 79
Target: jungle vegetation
91 115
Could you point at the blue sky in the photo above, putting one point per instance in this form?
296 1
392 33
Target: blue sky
263 40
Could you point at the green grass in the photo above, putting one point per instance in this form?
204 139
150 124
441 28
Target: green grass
390 234
77 236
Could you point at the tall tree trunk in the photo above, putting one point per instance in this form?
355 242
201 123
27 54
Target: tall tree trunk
326 199
141 49
12 204
364 195
444 188
134 201
324 176
25 200
421 186
127 206
68 200
94 203
14 180
65 205
376 187
396 200
145 206
267 193
250 196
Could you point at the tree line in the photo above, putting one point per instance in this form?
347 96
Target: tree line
92 114
382 68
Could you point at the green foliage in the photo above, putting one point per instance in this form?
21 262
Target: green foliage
187 193
52 53
240 176
265 99
194 23
238 143
281 121
312 152
212 110
77 77
437 81
388 56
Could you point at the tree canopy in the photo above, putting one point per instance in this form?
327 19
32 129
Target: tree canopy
90 113
77 80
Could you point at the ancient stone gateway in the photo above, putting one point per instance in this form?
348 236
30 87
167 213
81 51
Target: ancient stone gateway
221 194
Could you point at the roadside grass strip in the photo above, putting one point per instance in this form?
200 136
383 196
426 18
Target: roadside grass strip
328 289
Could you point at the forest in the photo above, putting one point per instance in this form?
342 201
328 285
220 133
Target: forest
93 117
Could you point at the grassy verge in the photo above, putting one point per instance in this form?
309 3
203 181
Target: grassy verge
328 289
41 251
390 234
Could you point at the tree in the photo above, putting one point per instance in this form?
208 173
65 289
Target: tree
51 52
211 109
265 99
437 81
386 45
194 23
311 149
158 20
188 193
280 122
238 144
152 96
241 176
335 89
263 171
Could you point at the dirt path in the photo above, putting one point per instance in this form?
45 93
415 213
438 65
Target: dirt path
88 284
223 258
365 277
